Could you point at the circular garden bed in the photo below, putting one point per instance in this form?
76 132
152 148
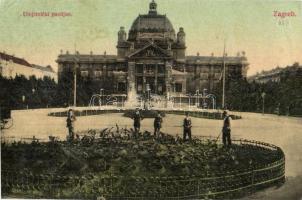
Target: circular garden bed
120 164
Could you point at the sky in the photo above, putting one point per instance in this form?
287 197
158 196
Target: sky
268 41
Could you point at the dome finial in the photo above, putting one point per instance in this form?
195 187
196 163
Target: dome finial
152 8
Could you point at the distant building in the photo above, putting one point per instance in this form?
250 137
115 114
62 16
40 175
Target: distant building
11 66
152 58
275 75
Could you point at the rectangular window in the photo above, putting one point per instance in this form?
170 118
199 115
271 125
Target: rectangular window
98 74
139 68
160 88
150 69
121 87
204 69
204 75
139 87
218 75
139 84
84 73
161 69
1 69
178 87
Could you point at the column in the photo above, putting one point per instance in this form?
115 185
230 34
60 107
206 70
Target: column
144 78
168 74
131 76
155 79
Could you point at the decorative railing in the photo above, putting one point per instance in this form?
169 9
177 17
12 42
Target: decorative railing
227 184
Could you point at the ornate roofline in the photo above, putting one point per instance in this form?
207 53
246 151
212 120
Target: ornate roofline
148 45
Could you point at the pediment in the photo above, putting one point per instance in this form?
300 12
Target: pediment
150 51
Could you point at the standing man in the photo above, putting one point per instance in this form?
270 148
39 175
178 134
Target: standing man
137 121
187 127
158 120
69 124
226 129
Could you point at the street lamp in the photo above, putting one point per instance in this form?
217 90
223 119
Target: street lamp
189 101
101 93
263 99
23 99
197 97
148 93
33 91
205 94
223 78
75 82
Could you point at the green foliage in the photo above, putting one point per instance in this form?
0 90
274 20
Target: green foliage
37 92
284 97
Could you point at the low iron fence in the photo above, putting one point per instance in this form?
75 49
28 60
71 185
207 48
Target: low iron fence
227 184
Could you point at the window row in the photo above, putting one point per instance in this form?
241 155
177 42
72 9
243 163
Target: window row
149 68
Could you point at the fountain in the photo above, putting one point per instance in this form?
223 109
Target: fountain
132 97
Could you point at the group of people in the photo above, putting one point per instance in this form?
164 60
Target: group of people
158 120
187 126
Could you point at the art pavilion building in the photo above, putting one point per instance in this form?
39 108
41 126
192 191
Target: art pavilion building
152 57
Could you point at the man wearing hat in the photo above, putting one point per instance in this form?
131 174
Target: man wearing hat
158 120
69 124
226 129
187 127
137 121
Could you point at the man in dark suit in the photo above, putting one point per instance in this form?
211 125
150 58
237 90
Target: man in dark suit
137 121
187 127
226 129
69 124
158 120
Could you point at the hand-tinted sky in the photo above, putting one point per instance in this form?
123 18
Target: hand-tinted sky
247 26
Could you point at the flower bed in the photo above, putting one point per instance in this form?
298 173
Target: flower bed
120 164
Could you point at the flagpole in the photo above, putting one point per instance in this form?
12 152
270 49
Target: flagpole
75 79
223 80
75 87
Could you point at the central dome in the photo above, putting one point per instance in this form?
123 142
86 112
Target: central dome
144 25
154 23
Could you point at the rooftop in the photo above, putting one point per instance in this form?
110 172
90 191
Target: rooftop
14 59
22 61
215 59
47 68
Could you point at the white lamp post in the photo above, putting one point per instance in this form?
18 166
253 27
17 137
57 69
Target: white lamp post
101 93
197 97
23 99
148 94
263 100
